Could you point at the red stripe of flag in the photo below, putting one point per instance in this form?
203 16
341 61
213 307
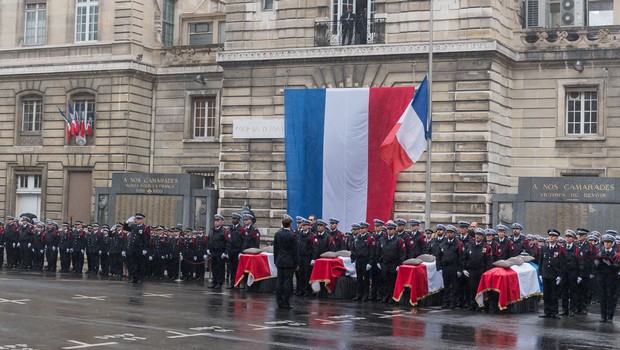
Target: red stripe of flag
385 106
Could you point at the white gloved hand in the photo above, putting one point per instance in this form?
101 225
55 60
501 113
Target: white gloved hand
459 274
397 268
312 262
41 251
579 280
205 257
71 250
150 258
124 254
466 273
368 267
29 245
14 245
100 252
224 256
18 244
596 262
195 258
54 248
208 252
82 251
558 280
591 276
607 262
144 252
239 256
379 266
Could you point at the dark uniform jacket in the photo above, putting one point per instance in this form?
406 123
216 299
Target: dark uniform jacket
139 238
392 253
518 244
339 240
217 241
434 246
305 241
417 244
363 249
285 249
574 260
251 238
234 239
450 255
322 243
552 261
504 249
478 257
51 238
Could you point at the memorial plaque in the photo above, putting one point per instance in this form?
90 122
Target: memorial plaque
164 209
150 183
570 189
542 216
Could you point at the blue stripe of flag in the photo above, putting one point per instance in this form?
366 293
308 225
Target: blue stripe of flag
304 115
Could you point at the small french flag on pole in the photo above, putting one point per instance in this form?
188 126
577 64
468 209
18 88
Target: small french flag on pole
408 138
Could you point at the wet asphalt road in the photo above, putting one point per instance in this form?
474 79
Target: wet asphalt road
54 311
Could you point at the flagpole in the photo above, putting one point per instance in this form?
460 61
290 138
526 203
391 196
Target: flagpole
429 120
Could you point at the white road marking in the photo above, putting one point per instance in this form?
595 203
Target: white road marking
79 297
81 345
17 301
169 296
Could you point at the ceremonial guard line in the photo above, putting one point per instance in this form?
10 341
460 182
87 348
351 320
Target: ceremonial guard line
454 266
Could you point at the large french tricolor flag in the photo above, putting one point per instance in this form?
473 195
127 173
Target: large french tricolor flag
333 163
408 138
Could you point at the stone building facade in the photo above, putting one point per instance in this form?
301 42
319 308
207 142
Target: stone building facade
511 94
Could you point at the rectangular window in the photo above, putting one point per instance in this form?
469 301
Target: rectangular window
83 108
34 33
222 31
167 30
581 112
28 194
203 117
268 5
32 114
86 20
200 33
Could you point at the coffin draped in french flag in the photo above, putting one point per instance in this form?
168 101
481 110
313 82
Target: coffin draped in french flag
513 284
334 165
422 280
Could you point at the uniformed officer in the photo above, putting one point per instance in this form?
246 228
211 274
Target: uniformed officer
607 278
476 261
93 248
417 241
323 242
2 244
305 242
336 234
116 245
26 236
200 247
38 247
251 238
136 248
404 235
464 299
234 242
573 274
518 241
65 244
376 282
11 232
551 269
531 246
286 259
449 261
588 251
216 244
435 242
504 248
392 253
51 238
363 255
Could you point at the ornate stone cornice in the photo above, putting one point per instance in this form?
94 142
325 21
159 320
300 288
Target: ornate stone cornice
360 50
107 66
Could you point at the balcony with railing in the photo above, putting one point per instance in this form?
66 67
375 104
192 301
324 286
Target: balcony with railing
333 33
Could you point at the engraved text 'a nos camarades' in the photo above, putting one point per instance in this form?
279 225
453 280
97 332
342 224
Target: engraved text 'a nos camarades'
573 190
152 183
